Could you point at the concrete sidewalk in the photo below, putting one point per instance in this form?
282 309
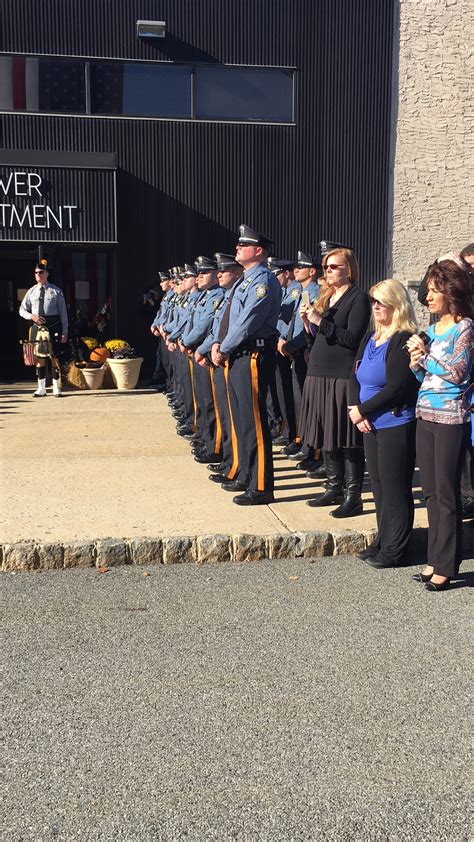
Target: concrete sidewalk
109 464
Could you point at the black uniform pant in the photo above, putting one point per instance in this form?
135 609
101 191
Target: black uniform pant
248 378
440 450
205 406
285 394
390 457
227 434
161 374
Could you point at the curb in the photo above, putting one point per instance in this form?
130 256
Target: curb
201 549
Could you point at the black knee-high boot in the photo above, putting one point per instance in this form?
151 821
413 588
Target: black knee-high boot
334 462
354 476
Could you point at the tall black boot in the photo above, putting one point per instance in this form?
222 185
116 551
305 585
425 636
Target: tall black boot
354 476
334 462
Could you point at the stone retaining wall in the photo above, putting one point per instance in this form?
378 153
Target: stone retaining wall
201 549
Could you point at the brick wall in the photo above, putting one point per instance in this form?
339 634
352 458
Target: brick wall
434 153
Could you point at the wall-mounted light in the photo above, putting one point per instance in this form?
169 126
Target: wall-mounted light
151 28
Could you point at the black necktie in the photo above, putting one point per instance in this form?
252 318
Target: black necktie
41 302
224 325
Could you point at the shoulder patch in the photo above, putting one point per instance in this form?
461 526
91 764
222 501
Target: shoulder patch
215 303
295 293
261 291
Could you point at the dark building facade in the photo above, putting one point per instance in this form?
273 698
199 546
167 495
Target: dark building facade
151 151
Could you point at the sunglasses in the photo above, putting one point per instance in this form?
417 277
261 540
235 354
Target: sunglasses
374 302
335 266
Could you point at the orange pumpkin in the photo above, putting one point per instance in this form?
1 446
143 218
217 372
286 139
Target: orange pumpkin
99 355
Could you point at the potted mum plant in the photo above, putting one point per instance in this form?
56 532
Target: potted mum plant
123 363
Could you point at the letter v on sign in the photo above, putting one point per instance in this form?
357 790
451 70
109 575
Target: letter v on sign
6 187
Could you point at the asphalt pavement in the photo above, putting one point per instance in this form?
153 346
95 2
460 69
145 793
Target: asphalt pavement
269 701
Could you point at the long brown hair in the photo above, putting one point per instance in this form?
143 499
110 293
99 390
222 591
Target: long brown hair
447 277
327 290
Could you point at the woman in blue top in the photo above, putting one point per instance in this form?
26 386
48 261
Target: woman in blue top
383 395
444 368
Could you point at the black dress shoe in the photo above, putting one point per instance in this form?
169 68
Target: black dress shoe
467 508
379 562
293 447
254 498
369 551
433 587
202 457
216 468
298 455
233 485
319 473
421 577
308 464
219 478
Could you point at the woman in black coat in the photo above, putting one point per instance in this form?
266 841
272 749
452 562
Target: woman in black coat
383 393
338 320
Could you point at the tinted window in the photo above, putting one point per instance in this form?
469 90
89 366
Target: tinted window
231 93
141 90
37 84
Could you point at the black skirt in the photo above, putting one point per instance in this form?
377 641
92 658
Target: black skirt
324 418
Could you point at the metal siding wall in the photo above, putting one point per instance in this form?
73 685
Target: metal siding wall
183 188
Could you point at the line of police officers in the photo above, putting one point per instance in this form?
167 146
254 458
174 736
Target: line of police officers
232 360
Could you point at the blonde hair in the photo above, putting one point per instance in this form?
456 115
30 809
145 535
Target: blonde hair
392 293
327 290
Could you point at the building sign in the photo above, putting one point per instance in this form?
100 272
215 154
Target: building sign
51 204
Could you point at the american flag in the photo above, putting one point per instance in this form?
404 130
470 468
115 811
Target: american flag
37 84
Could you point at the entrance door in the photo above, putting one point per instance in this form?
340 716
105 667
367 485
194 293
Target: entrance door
16 276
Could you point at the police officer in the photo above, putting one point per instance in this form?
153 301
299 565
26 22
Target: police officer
184 369
161 373
291 288
208 445
295 345
229 272
247 341
44 305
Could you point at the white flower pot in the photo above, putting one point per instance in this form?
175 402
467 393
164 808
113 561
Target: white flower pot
94 377
125 373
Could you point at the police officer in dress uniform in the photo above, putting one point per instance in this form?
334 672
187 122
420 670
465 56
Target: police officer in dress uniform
44 305
183 366
247 342
284 272
295 345
161 373
229 272
207 447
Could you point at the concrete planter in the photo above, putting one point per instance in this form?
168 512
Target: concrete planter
125 373
94 377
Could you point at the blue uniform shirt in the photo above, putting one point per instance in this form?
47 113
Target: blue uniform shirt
290 296
185 314
298 336
211 338
54 304
254 309
162 311
197 327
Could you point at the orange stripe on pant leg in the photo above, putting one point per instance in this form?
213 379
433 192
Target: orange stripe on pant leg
218 443
191 372
233 437
258 424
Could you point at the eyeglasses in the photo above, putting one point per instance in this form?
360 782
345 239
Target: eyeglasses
335 266
374 302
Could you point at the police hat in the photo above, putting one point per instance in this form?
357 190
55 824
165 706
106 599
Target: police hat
325 246
189 270
42 265
276 265
249 237
204 265
181 272
226 261
163 276
307 261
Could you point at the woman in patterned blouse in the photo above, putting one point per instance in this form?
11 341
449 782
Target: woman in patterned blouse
444 368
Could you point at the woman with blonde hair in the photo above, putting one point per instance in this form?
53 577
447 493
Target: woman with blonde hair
383 395
338 320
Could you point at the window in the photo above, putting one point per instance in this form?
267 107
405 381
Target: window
237 93
149 90
146 89
38 84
